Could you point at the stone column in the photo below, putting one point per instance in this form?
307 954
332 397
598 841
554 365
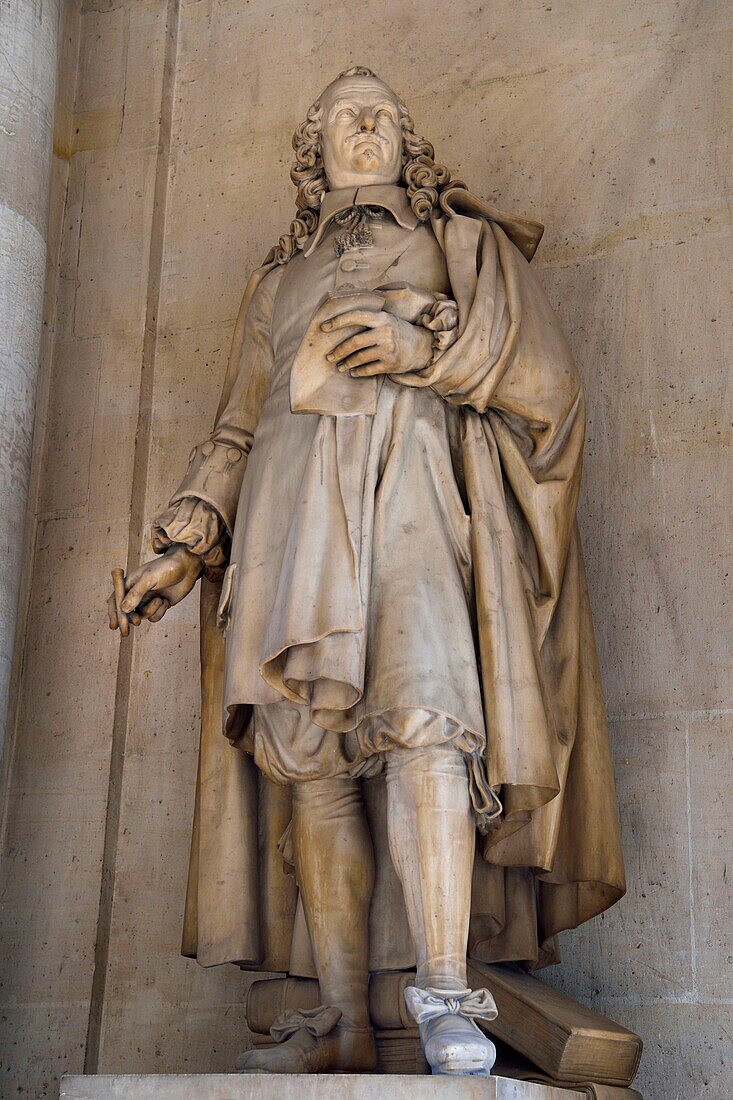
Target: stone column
29 34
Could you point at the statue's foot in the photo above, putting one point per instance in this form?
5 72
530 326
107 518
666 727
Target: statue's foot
313 1043
454 1045
452 1042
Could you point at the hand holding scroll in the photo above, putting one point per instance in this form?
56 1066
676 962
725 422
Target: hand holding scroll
151 589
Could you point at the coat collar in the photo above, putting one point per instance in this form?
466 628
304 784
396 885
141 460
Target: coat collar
390 197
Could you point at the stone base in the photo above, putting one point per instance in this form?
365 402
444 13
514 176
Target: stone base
337 1086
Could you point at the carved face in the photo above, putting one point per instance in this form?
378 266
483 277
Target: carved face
361 137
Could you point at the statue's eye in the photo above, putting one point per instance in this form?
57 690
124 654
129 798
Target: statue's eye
384 112
346 112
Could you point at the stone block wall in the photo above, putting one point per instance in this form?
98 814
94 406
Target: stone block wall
611 123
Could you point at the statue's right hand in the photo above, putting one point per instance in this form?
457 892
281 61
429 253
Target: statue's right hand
159 584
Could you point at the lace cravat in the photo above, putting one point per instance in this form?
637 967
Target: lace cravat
358 233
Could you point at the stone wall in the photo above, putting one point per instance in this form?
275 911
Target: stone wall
610 123
29 32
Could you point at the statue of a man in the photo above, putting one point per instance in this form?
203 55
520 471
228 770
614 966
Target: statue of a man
389 494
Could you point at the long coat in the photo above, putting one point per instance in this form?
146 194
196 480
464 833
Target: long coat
553 859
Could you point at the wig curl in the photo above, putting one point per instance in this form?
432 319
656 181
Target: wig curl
423 177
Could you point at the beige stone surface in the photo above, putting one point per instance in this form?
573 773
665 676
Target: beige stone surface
57 795
28 72
22 256
687 1050
344 1086
611 123
710 746
113 253
648 933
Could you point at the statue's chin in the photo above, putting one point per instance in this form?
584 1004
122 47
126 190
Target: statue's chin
364 170
367 162
365 166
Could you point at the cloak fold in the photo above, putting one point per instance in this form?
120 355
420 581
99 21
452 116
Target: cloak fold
554 858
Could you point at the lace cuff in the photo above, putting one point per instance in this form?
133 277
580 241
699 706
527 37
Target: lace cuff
442 320
197 525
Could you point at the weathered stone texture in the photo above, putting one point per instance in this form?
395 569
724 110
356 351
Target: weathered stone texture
344 1086
611 123
58 791
652 958
28 67
710 744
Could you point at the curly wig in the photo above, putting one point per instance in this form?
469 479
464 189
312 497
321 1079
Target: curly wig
422 176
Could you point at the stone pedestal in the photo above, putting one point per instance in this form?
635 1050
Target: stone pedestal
344 1086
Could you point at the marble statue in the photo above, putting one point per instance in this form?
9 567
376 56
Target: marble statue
395 622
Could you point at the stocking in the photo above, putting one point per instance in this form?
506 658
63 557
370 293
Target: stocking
334 864
431 839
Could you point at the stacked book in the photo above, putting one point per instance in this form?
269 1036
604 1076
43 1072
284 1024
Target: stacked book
557 1039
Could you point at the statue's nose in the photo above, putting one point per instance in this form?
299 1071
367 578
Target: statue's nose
367 122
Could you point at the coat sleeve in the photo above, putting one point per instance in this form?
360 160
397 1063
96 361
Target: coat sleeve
203 508
511 364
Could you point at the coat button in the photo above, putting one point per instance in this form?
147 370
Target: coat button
234 454
349 265
208 448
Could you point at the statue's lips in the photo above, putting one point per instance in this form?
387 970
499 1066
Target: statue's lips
372 140
369 149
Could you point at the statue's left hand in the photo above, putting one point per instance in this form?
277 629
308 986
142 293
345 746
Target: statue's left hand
387 344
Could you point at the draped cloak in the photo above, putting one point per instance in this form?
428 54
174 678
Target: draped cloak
553 859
